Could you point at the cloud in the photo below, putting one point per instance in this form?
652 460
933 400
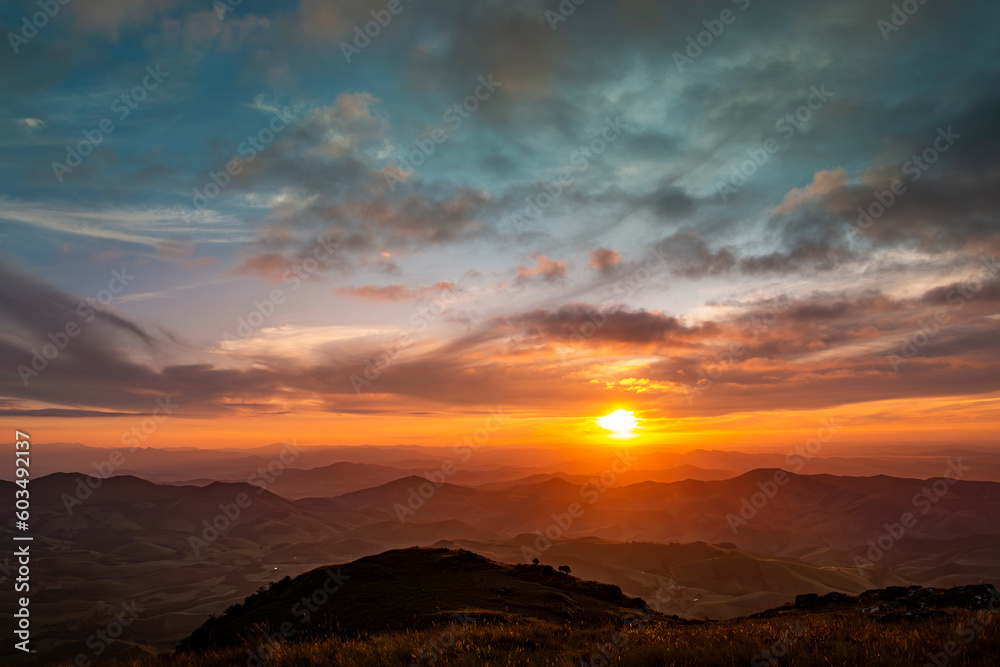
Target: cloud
821 350
949 204
604 260
68 413
688 254
108 17
549 270
147 225
514 43
395 293
191 37
336 158
31 124
824 183
176 250
326 175
329 22
975 288
582 321
364 230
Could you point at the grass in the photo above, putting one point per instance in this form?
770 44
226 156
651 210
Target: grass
832 638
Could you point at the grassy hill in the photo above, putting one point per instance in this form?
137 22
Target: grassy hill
413 589
445 607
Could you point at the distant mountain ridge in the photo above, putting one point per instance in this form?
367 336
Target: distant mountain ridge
189 551
493 465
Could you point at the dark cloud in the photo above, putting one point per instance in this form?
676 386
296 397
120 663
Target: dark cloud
353 233
670 202
73 414
581 321
977 288
688 254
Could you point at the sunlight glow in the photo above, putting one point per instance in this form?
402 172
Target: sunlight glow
619 422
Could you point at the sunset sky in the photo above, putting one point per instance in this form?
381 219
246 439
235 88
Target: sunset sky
493 206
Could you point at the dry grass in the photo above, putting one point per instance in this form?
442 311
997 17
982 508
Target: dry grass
799 640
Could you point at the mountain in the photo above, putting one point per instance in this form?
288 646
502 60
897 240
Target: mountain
332 480
673 474
912 460
185 552
178 552
766 510
491 465
413 589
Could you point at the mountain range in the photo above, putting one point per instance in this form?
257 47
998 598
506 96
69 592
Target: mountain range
724 548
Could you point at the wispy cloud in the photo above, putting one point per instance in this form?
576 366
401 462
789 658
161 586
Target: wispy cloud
142 225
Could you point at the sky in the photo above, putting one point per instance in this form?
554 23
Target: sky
384 222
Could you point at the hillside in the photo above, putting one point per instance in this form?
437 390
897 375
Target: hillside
445 607
133 539
413 589
710 581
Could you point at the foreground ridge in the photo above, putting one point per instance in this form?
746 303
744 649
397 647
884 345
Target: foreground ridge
437 606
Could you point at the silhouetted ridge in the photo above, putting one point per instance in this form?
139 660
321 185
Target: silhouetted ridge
895 602
411 588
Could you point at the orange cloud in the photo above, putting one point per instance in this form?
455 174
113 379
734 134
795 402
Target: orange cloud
383 293
823 183
603 259
549 270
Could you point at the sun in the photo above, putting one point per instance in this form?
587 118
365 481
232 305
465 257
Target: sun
619 422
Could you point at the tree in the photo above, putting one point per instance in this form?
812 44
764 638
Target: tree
534 561
564 568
